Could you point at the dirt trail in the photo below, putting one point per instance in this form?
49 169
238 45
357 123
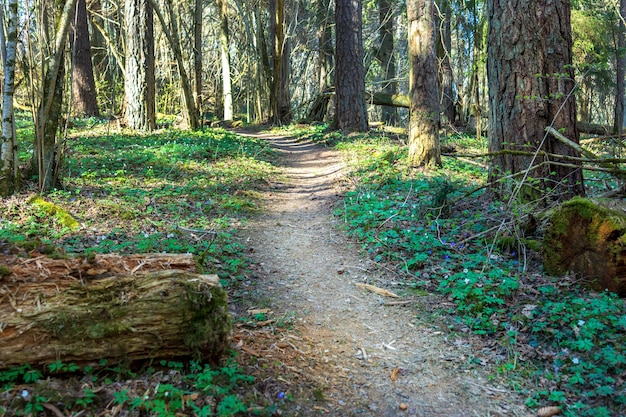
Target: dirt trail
348 352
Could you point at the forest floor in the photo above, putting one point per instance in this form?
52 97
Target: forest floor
321 345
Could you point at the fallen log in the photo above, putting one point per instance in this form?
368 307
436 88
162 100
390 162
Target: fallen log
587 240
110 307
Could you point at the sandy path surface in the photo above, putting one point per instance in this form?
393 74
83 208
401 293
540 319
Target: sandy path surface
356 352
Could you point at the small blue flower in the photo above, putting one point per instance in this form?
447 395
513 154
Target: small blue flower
281 395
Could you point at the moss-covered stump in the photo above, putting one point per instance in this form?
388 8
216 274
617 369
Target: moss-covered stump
588 240
121 314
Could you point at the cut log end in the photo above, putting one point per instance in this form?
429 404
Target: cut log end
588 240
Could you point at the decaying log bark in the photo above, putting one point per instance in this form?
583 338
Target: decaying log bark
590 241
112 307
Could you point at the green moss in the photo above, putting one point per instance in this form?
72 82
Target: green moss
4 271
56 211
209 323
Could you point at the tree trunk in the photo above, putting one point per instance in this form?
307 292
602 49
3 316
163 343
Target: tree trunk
83 82
47 154
386 58
280 97
620 66
197 54
139 81
444 48
531 84
325 62
587 240
325 45
227 95
111 307
424 149
9 170
173 38
350 108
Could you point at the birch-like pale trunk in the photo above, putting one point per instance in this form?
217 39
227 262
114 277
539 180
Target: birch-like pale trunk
227 95
9 172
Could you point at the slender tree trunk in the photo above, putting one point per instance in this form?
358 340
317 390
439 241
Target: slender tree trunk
83 82
350 108
225 57
424 149
385 56
620 66
531 84
173 39
280 98
139 79
325 45
197 54
47 153
444 47
9 170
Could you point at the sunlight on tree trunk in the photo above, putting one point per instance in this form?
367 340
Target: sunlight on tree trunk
139 82
225 59
424 149
9 172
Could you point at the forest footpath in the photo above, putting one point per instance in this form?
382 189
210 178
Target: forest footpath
338 348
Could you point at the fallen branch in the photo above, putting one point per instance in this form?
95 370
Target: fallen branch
377 290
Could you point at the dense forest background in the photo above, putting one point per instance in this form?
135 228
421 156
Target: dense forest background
195 62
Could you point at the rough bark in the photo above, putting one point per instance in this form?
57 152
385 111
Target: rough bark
424 149
531 80
386 58
350 108
280 98
587 240
83 82
9 170
116 308
139 81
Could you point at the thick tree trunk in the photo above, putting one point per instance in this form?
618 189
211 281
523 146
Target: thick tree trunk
9 170
139 81
424 149
531 84
116 308
350 108
83 82
587 240
280 98
386 58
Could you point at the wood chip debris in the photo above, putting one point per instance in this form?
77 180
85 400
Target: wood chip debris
377 290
